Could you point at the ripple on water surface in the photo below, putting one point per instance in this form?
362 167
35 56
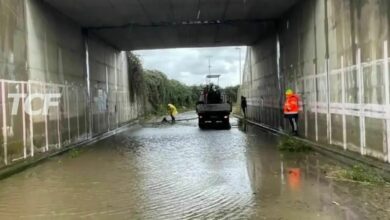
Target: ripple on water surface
181 172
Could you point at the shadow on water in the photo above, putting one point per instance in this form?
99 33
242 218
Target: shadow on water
242 125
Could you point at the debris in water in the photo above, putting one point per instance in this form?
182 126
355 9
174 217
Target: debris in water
73 153
292 145
357 173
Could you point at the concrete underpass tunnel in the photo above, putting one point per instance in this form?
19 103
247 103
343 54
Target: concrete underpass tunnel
333 53
76 50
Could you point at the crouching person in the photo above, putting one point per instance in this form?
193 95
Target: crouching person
172 111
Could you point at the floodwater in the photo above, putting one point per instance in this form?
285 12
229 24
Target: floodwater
181 172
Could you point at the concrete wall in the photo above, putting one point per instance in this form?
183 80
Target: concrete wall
260 82
44 52
335 55
13 55
109 82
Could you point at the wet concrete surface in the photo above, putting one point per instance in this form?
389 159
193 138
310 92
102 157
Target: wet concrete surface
181 172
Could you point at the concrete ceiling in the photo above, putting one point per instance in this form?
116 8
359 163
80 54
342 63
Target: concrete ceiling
152 24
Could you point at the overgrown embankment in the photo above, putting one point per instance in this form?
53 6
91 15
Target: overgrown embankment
156 90
136 77
159 91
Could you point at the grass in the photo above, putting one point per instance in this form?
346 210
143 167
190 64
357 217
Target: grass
73 153
357 173
289 144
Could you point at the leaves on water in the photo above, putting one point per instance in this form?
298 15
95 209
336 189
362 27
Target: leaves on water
289 144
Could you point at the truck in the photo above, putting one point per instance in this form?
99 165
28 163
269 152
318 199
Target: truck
213 108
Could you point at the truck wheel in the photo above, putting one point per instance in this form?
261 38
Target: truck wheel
227 125
201 125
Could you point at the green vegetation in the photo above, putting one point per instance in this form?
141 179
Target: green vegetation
357 173
158 90
292 145
136 80
73 153
231 92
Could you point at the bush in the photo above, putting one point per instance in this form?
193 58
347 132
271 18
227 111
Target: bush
231 92
292 145
75 152
136 80
159 91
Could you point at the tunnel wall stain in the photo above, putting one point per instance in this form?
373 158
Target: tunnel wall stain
44 52
334 54
13 47
112 102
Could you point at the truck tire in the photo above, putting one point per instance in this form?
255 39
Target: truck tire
201 124
226 124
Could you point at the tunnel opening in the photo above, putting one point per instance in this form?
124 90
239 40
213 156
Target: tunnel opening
179 76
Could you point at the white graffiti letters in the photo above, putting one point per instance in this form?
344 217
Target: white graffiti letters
48 100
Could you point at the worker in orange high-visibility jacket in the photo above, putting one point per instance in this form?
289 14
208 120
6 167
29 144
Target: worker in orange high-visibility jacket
291 110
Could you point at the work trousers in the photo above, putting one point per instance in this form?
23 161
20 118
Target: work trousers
293 119
244 111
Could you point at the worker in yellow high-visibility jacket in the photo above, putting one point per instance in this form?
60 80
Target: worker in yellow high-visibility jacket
172 111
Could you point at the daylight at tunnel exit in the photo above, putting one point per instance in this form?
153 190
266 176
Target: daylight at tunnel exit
195 109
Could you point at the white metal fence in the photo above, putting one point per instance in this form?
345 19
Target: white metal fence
73 120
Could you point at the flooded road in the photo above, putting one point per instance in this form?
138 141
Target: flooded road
181 172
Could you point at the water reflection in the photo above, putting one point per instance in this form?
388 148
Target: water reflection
194 174
242 124
181 172
292 186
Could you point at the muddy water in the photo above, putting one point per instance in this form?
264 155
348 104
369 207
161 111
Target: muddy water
181 172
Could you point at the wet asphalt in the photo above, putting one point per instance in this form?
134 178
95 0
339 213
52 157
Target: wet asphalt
177 171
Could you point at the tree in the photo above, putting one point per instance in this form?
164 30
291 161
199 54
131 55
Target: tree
231 92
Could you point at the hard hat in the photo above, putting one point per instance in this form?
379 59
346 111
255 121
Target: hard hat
289 92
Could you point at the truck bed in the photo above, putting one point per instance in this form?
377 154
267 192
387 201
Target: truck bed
223 107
